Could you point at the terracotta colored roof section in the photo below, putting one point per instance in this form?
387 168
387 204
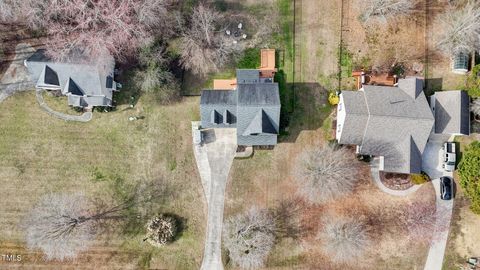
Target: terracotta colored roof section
267 59
224 84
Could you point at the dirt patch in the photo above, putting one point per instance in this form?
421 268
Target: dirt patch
378 47
467 244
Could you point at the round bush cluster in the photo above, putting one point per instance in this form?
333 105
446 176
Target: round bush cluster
161 230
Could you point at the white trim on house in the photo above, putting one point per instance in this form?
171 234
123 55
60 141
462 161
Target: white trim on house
341 115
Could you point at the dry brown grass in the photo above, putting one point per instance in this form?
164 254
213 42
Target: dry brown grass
40 154
264 180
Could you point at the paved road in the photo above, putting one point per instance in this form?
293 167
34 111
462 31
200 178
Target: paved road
214 159
432 165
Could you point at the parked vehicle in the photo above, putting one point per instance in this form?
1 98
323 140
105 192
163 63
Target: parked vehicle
446 188
449 156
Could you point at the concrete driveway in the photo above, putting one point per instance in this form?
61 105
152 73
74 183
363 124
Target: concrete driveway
16 76
432 165
442 227
214 159
432 156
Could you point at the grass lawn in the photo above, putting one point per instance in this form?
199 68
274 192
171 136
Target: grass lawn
464 238
41 154
265 180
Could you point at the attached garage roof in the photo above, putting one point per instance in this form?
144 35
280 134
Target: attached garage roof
452 114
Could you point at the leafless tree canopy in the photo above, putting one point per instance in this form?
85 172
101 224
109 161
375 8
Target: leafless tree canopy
203 48
460 29
344 239
58 225
383 10
154 76
324 173
62 225
159 81
7 10
249 238
91 27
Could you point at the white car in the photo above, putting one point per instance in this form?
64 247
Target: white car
449 156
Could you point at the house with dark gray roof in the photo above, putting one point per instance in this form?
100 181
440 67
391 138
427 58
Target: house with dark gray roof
452 112
84 85
395 123
252 108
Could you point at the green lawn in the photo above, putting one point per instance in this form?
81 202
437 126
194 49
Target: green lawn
105 157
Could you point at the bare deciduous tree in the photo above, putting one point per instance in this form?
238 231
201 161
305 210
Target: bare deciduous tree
202 49
345 239
91 27
62 225
460 29
383 10
249 238
7 13
159 81
154 76
325 173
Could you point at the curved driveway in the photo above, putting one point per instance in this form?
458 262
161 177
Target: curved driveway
432 165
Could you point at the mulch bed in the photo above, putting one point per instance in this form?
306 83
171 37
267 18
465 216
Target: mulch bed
396 181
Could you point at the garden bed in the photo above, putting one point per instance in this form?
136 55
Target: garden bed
396 181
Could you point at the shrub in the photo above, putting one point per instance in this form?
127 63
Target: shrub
469 171
333 98
250 59
419 178
475 106
473 82
161 230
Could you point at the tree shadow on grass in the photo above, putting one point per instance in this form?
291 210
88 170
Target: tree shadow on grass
305 106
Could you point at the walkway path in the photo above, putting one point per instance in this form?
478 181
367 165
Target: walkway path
374 168
214 159
85 117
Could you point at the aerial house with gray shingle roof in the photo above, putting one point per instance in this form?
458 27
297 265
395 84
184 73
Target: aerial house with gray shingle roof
252 108
84 85
395 123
